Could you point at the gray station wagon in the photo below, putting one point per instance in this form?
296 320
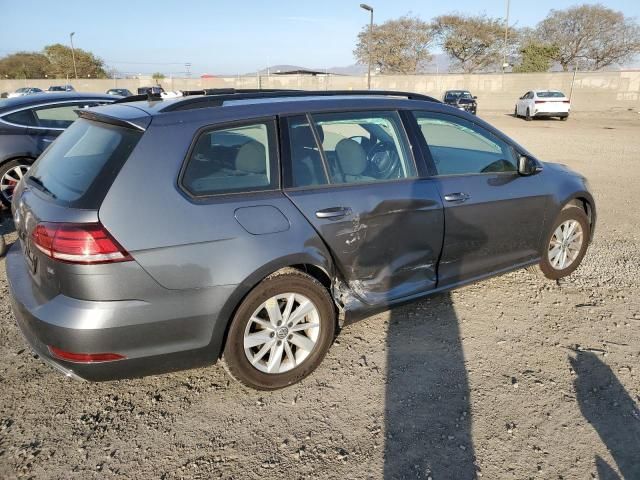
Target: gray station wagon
157 235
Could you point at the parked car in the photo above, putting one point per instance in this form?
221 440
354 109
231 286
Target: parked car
461 99
21 92
29 124
250 227
61 88
543 103
155 90
122 92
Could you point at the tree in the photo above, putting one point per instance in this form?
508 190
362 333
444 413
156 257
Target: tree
595 34
157 76
536 57
397 46
24 65
61 60
474 42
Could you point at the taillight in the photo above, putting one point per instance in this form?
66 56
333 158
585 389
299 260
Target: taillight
541 101
84 357
566 101
78 243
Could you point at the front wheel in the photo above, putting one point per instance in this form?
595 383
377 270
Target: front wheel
515 112
10 174
281 331
528 115
567 244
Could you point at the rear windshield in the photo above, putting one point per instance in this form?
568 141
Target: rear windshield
80 166
550 94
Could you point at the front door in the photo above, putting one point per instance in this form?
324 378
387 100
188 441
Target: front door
494 217
354 178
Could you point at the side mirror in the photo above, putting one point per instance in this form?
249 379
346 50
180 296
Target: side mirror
528 166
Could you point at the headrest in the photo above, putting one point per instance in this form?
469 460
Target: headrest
251 157
352 157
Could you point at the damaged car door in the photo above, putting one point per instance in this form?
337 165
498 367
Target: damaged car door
355 179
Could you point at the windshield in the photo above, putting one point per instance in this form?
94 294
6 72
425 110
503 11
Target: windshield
79 167
457 95
550 95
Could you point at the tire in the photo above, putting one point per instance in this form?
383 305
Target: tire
528 116
571 213
3 245
8 174
515 112
564 119
281 284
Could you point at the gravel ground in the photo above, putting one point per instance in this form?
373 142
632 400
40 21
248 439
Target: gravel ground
516 377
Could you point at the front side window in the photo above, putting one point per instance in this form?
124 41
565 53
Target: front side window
459 146
234 159
363 146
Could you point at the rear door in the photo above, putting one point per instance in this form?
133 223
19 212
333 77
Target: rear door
494 217
354 178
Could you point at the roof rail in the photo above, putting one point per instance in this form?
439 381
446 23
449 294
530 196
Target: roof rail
154 97
217 99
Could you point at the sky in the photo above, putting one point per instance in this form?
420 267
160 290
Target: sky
228 37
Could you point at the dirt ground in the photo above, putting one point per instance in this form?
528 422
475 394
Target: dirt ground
513 378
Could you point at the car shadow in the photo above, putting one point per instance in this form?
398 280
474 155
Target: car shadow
613 413
427 405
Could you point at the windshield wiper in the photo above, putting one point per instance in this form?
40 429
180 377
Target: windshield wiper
38 181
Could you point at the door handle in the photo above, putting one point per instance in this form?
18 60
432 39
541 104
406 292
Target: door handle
457 197
333 212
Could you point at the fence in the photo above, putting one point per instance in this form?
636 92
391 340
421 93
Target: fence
592 91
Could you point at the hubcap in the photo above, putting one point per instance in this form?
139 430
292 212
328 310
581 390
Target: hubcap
565 244
281 333
10 180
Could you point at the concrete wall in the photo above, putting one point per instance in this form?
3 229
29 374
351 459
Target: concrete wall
592 91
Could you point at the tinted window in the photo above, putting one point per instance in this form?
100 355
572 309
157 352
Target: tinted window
56 116
23 117
81 164
550 95
364 146
234 159
306 161
458 146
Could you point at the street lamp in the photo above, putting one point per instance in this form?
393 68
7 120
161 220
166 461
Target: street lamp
506 36
73 54
370 41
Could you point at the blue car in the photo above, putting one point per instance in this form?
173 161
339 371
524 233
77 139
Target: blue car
247 226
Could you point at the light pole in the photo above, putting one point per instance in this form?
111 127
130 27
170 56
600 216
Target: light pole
369 42
73 54
506 35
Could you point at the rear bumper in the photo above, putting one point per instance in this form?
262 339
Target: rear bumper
550 114
155 337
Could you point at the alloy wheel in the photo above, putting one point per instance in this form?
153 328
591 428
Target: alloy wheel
565 244
10 179
281 333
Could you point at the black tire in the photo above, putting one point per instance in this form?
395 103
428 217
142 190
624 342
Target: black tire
6 167
564 119
570 212
515 112
528 115
3 245
234 358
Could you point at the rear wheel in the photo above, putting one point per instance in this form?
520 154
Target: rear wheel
10 174
281 331
567 243
564 118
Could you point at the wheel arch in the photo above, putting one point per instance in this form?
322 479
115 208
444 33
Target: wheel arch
316 264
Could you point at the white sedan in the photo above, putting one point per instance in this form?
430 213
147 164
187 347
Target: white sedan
543 103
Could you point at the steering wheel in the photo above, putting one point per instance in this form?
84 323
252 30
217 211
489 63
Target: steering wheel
384 162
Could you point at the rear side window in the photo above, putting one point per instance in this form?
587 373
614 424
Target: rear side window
306 160
25 118
239 158
56 117
80 166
